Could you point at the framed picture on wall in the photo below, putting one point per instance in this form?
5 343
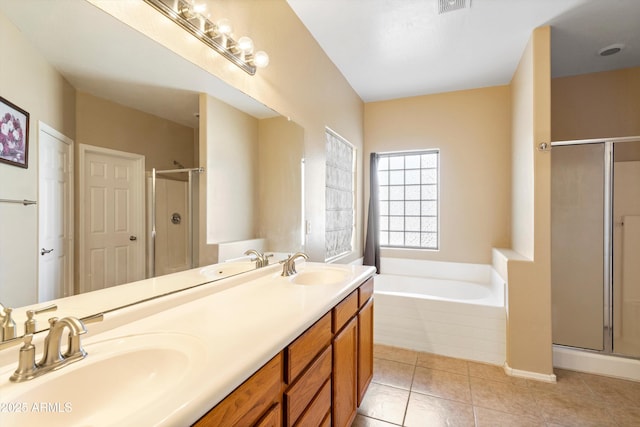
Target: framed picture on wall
14 134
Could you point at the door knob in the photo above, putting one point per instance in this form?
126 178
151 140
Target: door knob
44 251
133 238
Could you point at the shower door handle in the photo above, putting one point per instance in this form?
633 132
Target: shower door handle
133 238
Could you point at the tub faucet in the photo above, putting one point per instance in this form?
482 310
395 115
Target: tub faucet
289 264
52 358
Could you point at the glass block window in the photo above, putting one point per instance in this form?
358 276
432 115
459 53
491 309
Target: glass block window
339 196
408 196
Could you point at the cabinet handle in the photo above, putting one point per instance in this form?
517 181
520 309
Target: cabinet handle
44 251
133 238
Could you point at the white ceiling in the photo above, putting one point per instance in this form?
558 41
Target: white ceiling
385 48
397 48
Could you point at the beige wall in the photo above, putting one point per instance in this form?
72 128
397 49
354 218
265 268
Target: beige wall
472 130
229 157
106 124
529 284
597 105
29 82
300 82
280 152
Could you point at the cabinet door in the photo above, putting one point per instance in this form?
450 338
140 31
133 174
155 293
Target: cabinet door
365 349
345 365
273 418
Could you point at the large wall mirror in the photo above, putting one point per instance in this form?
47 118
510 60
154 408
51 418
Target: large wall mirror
130 106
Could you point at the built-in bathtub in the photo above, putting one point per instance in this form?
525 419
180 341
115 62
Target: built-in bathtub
452 309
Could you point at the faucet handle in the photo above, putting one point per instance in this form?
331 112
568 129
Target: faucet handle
30 323
26 361
95 318
8 327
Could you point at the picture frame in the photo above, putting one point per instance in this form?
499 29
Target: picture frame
14 134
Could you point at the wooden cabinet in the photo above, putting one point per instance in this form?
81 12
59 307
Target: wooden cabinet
365 348
251 401
345 374
317 380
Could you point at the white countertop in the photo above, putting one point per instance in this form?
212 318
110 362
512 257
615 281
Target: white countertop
239 324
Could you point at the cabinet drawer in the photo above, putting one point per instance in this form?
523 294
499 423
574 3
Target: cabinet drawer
273 418
327 420
365 291
250 400
304 349
300 394
318 409
345 310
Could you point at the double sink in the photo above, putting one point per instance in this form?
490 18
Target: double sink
125 373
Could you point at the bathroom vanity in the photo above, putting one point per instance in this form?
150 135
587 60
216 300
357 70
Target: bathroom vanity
253 349
318 380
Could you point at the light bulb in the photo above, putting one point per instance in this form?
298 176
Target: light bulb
261 59
224 27
245 44
199 8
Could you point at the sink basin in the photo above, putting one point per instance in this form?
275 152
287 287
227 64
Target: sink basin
228 269
319 276
117 379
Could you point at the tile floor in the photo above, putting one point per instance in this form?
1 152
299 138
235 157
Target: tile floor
410 388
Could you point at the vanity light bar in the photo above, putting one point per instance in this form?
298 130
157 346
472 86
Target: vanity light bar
215 35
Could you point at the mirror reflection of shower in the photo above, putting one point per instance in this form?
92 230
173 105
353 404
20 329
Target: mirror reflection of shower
170 201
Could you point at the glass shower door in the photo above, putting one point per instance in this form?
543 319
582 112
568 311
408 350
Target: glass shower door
626 248
578 245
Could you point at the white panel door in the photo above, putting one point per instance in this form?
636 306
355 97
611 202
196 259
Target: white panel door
55 215
113 212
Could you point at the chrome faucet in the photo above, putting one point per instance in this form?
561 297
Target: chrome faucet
262 260
52 358
289 264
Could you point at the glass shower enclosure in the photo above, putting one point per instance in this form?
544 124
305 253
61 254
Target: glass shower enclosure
170 198
595 245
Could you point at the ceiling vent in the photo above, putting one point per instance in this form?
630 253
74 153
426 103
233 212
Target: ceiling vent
451 5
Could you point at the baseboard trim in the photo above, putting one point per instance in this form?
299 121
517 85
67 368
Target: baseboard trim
547 378
594 363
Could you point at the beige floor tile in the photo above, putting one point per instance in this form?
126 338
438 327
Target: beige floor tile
613 390
626 416
384 403
394 374
432 411
435 361
502 396
494 373
571 410
441 384
362 421
568 382
490 418
396 354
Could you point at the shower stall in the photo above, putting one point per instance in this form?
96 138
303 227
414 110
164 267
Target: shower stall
595 245
170 224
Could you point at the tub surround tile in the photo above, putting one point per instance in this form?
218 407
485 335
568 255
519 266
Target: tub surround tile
394 374
385 403
431 411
